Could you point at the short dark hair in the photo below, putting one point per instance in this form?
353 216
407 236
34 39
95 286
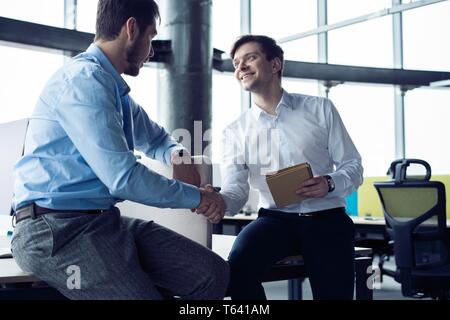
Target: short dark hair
268 46
112 15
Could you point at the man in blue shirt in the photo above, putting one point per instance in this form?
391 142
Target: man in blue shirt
79 162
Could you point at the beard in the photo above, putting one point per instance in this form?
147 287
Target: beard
134 61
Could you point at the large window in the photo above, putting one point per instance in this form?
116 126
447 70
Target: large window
368 114
308 87
285 18
427 115
426 37
24 74
339 10
86 15
48 12
363 44
225 23
226 107
144 90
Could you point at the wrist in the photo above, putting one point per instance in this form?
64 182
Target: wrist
180 157
330 183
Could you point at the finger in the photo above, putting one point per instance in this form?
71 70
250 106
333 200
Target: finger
306 190
219 218
310 182
202 209
215 219
218 215
315 193
211 210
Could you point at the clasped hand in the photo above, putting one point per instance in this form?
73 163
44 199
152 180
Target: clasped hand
211 205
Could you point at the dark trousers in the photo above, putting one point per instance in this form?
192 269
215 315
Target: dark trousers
325 240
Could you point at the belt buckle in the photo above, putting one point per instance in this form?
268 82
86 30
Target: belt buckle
305 215
33 210
13 220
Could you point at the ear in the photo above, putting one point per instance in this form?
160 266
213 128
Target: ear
131 29
276 65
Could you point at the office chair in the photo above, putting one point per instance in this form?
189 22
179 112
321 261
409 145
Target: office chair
414 209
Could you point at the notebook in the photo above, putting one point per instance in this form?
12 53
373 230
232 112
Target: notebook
283 183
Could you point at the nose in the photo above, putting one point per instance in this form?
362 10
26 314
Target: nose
241 66
151 53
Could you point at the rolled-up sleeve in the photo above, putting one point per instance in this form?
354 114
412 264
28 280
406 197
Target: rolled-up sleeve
348 175
234 173
151 138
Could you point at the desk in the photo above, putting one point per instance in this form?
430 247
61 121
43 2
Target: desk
222 244
10 272
363 225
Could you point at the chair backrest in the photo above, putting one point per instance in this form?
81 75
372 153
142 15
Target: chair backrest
183 221
415 216
12 138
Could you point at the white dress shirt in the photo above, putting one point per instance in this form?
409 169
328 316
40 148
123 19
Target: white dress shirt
304 129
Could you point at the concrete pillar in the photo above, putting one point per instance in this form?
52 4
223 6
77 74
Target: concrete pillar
185 81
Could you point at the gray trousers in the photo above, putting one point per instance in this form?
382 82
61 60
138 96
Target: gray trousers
107 256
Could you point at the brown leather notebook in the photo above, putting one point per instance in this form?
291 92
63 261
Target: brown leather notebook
283 183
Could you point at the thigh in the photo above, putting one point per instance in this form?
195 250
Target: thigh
85 257
262 243
175 263
328 250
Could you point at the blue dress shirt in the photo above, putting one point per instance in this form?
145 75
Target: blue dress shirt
80 142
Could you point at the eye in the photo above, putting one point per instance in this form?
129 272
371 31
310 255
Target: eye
235 64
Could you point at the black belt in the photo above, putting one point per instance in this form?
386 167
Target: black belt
283 214
34 211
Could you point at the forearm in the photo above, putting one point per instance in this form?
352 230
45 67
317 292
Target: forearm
139 184
347 178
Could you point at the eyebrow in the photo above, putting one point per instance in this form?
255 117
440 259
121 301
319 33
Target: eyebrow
245 55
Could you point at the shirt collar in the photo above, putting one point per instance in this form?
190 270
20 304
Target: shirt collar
95 51
285 101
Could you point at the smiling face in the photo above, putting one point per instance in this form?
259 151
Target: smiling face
140 51
252 69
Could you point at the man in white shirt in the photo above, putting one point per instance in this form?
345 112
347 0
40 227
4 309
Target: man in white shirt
281 130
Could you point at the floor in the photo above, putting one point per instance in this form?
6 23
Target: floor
388 289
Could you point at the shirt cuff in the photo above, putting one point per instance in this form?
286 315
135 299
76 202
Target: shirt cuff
338 185
192 196
231 209
168 154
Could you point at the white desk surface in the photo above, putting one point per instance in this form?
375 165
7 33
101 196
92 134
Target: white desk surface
379 221
241 216
10 272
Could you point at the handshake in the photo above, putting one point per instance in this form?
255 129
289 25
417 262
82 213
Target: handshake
211 204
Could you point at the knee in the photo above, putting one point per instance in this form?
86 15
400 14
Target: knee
221 271
240 260
219 277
